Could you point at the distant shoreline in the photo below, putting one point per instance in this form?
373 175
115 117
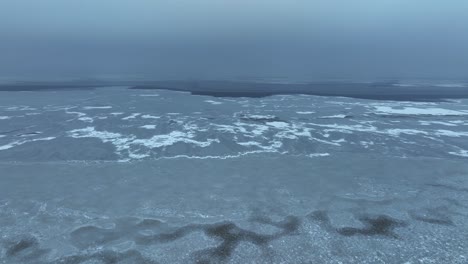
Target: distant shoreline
373 90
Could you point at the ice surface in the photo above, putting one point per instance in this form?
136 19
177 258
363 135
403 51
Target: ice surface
281 179
213 102
148 126
419 111
97 107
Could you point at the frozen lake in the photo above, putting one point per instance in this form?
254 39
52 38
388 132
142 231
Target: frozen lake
140 176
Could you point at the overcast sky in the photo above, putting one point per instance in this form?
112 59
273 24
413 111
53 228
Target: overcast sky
311 39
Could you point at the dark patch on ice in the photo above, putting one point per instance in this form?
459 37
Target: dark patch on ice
21 245
232 236
380 225
107 257
228 233
26 248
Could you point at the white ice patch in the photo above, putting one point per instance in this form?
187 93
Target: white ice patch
10 145
21 108
150 117
229 128
451 85
461 153
21 142
448 133
315 155
213 102
4 117
403 85
118 140
138 156
149 126
366 144
274 146
305 112
278 124
90 132
86 119
266 117
117 113
132 116
81 116
396 132
418 111
159 141
257 130
97 107
250 143
428 123
347 128
122 142
293 132
44 139
194 127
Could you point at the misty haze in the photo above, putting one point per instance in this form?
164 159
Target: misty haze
281 131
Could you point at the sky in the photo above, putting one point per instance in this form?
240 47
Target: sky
215 39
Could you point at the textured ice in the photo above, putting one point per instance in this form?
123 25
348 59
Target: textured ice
21 142
449 133
148 126
418 111
150 117
213 102
159 141
397 132
132 116
277 124
97 107
462 153
252 180
334 116
148 95
319 155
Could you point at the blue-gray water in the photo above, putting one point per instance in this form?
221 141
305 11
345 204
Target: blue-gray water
140 176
